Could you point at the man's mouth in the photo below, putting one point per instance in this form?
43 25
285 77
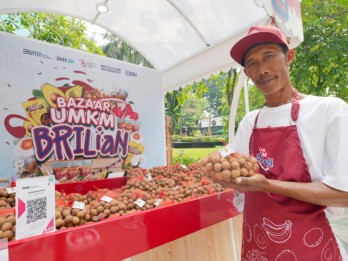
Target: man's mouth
265 79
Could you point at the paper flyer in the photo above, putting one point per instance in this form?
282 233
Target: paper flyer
4 250
35 206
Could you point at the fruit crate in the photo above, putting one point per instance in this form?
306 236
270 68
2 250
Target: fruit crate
122 237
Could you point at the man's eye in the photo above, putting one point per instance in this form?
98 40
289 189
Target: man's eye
249 64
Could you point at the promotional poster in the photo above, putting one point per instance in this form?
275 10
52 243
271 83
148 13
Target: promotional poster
76 115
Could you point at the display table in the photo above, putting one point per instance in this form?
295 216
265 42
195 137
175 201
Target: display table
122 237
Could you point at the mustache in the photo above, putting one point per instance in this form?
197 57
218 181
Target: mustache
265 78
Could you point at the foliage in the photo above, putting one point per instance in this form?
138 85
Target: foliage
184 160
173 107
321 65
51 28
211 90
178 138
121 50
192 112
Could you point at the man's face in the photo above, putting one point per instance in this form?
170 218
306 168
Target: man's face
267 66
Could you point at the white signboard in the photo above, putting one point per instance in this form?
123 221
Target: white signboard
35 207
76 115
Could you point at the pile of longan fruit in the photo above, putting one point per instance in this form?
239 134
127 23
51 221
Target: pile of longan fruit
230 167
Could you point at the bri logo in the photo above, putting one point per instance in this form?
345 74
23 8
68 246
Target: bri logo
264 160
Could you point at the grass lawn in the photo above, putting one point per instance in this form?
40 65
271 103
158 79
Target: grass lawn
194 152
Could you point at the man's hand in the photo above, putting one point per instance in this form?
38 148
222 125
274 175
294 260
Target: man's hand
257 182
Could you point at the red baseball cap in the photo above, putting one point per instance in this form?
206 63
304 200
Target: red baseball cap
257 35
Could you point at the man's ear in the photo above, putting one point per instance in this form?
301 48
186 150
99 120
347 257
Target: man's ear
245 71
290 57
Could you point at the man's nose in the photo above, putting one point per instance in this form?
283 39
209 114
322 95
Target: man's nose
263 69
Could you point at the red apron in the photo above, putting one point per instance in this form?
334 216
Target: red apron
279 228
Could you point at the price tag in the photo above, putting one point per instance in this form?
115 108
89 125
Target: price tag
11 190
226 150
79 205
157 202
183 166
106 199
148 177
139 202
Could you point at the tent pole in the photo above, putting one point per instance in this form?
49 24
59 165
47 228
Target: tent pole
234 106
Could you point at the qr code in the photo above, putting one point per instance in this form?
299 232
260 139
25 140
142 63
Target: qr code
36 209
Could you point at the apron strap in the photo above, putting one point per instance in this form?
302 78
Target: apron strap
295 108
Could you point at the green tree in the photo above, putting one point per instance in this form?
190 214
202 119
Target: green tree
121 50
173 106
321 65
51 28
193 111
212 91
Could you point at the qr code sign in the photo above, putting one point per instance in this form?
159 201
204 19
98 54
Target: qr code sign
36 209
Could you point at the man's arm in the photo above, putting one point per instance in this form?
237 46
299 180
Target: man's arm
312 192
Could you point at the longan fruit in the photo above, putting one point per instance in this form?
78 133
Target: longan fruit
100 209
216 158
68 219
66 212
203 162
8 234
226 175
210 166
88 217
244 172
232 158
7 226
113 209
253 160
235 173
59 222
217 166
11 219
241 161
218 175
248 165
235 165
204 169
94 212
81 214
75 220
74 211
58 214
226 165
2 221
210 173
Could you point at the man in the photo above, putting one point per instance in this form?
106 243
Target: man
301 144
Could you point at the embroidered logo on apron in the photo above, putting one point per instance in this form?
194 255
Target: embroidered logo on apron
264 160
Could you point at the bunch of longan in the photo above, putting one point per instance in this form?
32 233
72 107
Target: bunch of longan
229 167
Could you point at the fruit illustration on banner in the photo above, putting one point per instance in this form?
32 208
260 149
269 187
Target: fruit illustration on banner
51 93
125 110
28 124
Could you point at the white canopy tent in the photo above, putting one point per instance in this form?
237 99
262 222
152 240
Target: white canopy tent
186 40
